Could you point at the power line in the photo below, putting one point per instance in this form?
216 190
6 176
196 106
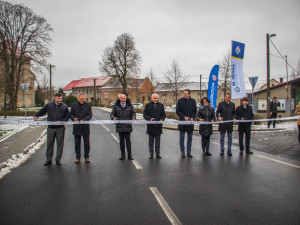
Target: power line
282 56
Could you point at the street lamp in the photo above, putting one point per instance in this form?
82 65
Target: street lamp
268 73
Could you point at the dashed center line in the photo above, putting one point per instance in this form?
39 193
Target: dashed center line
165 206
116 139
105 127
137 165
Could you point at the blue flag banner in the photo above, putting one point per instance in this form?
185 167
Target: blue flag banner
213 86
237 75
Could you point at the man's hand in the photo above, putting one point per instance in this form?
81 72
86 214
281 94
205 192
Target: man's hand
271 113
192 119
115 118
75 119
243 118
186 118
152 119
220 118
201 119
35 118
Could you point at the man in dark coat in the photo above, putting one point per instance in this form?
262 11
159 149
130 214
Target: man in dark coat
123 110
273 111
57 111
186 109
244 112
154 111
226 111
81 111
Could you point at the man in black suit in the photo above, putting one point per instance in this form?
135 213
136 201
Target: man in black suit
273 111
186 109
81 111
154 111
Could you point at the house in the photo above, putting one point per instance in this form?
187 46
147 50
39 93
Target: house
68 89
288 94
138 90
168 97
88 86
26 76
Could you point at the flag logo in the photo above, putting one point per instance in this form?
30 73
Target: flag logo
237 89
214 77
237 50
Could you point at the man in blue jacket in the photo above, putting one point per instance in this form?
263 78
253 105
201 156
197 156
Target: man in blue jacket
57 111
186 109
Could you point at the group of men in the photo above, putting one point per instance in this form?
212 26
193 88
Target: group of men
123 109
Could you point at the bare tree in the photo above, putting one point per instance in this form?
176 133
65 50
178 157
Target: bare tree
175 78
122 60
24 40
153 80
225 74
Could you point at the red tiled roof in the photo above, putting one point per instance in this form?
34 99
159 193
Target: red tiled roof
70 85
89 82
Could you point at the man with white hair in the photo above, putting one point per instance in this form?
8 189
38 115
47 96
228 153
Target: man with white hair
154 111
123 110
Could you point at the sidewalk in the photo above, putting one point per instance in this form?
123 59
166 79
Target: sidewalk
18 142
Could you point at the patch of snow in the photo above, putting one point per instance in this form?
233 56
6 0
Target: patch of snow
11 129
18 159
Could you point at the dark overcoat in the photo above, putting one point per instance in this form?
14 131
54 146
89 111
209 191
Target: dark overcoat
247 113
227 112
273 106
82 112
158 113
206 113
123 114
186 108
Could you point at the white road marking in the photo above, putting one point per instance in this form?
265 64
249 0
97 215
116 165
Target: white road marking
275 160
116 139
137 165
105 127
166 208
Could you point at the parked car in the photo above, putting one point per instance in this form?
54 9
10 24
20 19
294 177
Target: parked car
138 105
112 103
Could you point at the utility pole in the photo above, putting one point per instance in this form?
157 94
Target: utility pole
95 91
268 73
51 66
200 86
287 78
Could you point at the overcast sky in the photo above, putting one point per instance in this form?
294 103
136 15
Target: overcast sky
195 33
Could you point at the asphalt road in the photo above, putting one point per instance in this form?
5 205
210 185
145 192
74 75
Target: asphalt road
257 189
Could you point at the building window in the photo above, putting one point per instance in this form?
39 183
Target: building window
164 101
174 100
164 94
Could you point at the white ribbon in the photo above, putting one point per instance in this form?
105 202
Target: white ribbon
31 122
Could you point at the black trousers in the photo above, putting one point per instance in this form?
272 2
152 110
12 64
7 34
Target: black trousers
241 140
156 139
125 137
205 140
86 140
59 135
274 115
299 133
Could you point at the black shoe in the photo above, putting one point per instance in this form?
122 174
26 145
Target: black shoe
189 155
241 152
151 156
122 157
47 163
130 157
229 153
222 153
182 155
203 154
58 163
158 156
208 153
249 152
